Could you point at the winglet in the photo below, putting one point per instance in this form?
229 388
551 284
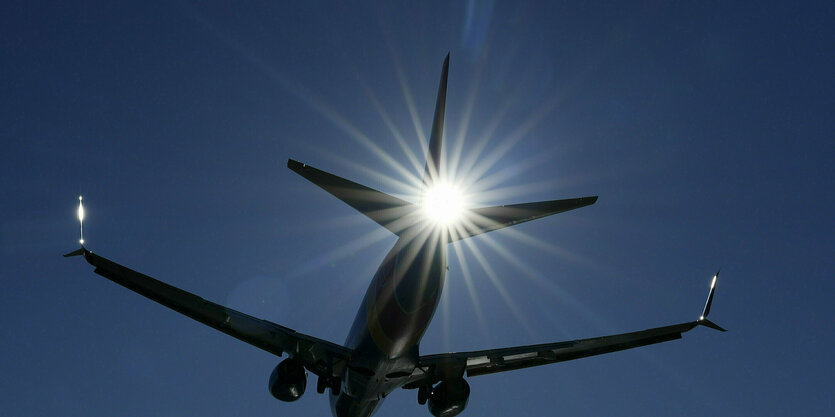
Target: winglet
703 318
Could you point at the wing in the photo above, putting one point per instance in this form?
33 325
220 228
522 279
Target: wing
318 356
483 362
434 368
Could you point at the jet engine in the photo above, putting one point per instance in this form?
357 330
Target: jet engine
449 398
288 380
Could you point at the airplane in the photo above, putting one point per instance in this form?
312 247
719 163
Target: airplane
381 352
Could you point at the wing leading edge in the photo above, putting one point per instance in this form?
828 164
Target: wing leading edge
318 356
434 368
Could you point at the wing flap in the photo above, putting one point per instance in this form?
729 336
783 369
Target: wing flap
319 356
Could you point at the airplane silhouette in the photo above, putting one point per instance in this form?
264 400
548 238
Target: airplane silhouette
381 352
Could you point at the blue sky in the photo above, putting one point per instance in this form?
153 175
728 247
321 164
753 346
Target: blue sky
706 129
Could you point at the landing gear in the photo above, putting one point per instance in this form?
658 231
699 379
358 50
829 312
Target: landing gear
336 385
423 394
321 385
324 383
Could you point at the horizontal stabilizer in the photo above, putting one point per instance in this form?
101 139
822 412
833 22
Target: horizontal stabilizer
487 219
383 208
712 325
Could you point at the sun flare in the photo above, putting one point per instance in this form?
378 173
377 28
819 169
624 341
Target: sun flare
443 203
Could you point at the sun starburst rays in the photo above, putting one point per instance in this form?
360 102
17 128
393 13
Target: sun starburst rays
401 140
468 176
470 166
443 203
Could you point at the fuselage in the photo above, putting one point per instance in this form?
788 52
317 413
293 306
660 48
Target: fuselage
395 312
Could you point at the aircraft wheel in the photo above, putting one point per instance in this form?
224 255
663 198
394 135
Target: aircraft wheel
321 385
423 394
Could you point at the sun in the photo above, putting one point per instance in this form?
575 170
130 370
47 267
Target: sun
443 204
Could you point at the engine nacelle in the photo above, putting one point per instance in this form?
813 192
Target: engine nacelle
288 380
449 398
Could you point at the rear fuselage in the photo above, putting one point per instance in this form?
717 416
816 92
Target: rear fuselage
394 315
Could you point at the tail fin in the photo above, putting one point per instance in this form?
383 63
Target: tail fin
487 219
387 210
436 137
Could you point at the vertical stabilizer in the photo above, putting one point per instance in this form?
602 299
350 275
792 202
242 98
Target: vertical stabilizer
436 137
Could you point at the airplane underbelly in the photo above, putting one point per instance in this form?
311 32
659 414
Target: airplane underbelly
343 405
400 302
